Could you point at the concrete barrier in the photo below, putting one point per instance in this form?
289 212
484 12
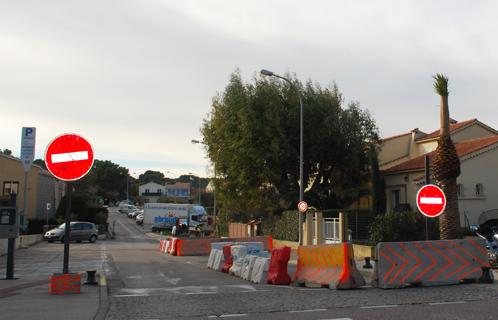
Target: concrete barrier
260 270
238 253
430 263
202 246
331 266
247 267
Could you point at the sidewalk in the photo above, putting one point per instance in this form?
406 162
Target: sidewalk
27 297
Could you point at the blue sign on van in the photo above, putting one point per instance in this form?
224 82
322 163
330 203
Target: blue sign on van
170 220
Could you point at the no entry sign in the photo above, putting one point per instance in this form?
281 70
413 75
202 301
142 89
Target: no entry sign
431 200
69 157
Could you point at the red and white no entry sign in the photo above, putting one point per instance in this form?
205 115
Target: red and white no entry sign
302 206
69 157
431 200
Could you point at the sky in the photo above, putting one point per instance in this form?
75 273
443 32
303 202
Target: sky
137 78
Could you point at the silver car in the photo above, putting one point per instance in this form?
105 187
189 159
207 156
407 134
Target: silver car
80 231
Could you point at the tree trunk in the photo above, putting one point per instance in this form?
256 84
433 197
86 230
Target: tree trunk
445 117
449 226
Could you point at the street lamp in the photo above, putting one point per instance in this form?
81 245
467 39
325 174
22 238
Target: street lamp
214 190
127 183
301 178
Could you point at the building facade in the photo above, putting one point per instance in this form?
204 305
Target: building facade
151 192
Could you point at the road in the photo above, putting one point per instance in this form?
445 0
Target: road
147 284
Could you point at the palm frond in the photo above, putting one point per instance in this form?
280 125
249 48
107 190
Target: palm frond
441 84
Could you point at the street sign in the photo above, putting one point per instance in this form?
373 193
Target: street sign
69 157
28 147
302 206
431 200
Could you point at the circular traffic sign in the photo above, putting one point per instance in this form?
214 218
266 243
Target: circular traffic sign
69 157
302 206
431 200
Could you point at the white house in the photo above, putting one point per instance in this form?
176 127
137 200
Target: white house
152 191
402 160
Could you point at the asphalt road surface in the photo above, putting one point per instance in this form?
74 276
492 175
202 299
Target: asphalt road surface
147 284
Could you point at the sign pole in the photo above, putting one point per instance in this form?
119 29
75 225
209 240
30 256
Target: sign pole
67 229
427 181
25 201
11 246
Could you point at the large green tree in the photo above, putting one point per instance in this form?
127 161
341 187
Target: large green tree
151 176
252 135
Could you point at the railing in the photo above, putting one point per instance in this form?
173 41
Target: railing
330 230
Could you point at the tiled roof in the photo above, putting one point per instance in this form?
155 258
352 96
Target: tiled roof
453 127
463 148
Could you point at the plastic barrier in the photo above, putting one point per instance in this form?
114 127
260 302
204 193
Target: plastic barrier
330 266
64 283
238 255
174 243
202 246
227 259
260 270
219 259
429 263
162 243
253 248
247 266
212 257
277 271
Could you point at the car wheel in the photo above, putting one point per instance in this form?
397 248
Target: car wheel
93 238
50 241
79 241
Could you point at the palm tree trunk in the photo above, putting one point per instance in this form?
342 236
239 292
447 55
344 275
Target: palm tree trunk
449 220
445 117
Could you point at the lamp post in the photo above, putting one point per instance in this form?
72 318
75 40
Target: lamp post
214 190
301 177
166 191
127 183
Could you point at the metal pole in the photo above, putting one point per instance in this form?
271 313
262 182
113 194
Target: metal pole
301 175
214 196
427 181
11 245
67 230
127 177
25 198
199 190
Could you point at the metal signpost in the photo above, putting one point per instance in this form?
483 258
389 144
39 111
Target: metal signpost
68 157
28 140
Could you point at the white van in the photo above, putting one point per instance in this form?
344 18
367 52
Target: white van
126 208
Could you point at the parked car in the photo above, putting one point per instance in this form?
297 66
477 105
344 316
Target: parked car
80 231
133 214
140 219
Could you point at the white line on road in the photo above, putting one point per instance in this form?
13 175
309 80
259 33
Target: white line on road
130 295
381 306
309 310
233 315
69 156
445 302
201 292
431 200
337 319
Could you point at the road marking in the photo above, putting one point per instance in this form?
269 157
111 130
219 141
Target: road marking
431 200
381 306
130 295
309 310
69 156
445 302
337 319
200 292
233 315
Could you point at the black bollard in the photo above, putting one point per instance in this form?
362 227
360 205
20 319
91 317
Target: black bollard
367 263
90 278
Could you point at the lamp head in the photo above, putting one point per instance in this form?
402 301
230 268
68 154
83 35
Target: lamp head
266 72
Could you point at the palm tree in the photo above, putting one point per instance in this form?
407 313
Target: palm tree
446 166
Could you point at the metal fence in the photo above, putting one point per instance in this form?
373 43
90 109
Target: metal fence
330 230
358 222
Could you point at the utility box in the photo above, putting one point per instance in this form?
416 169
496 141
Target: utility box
9 226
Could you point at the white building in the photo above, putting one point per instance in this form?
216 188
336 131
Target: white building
402 160
152 191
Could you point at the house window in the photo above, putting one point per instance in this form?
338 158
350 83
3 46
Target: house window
147 191
479 190
460 190
10 187
159 191
395 198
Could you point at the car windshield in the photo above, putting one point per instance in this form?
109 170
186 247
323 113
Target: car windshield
62 226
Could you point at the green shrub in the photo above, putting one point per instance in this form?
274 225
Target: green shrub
35 226
283 227
407 226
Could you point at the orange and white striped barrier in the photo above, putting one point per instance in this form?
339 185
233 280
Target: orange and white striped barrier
64 283
202 246
329 265
430 263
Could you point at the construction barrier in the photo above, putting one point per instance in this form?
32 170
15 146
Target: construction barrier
247 266
164 245
202 246
64 283
212 258
227 258
430 263
219 260
260 270
331 266
253 248
173 247
238 254
277 271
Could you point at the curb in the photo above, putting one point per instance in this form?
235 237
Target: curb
103 299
